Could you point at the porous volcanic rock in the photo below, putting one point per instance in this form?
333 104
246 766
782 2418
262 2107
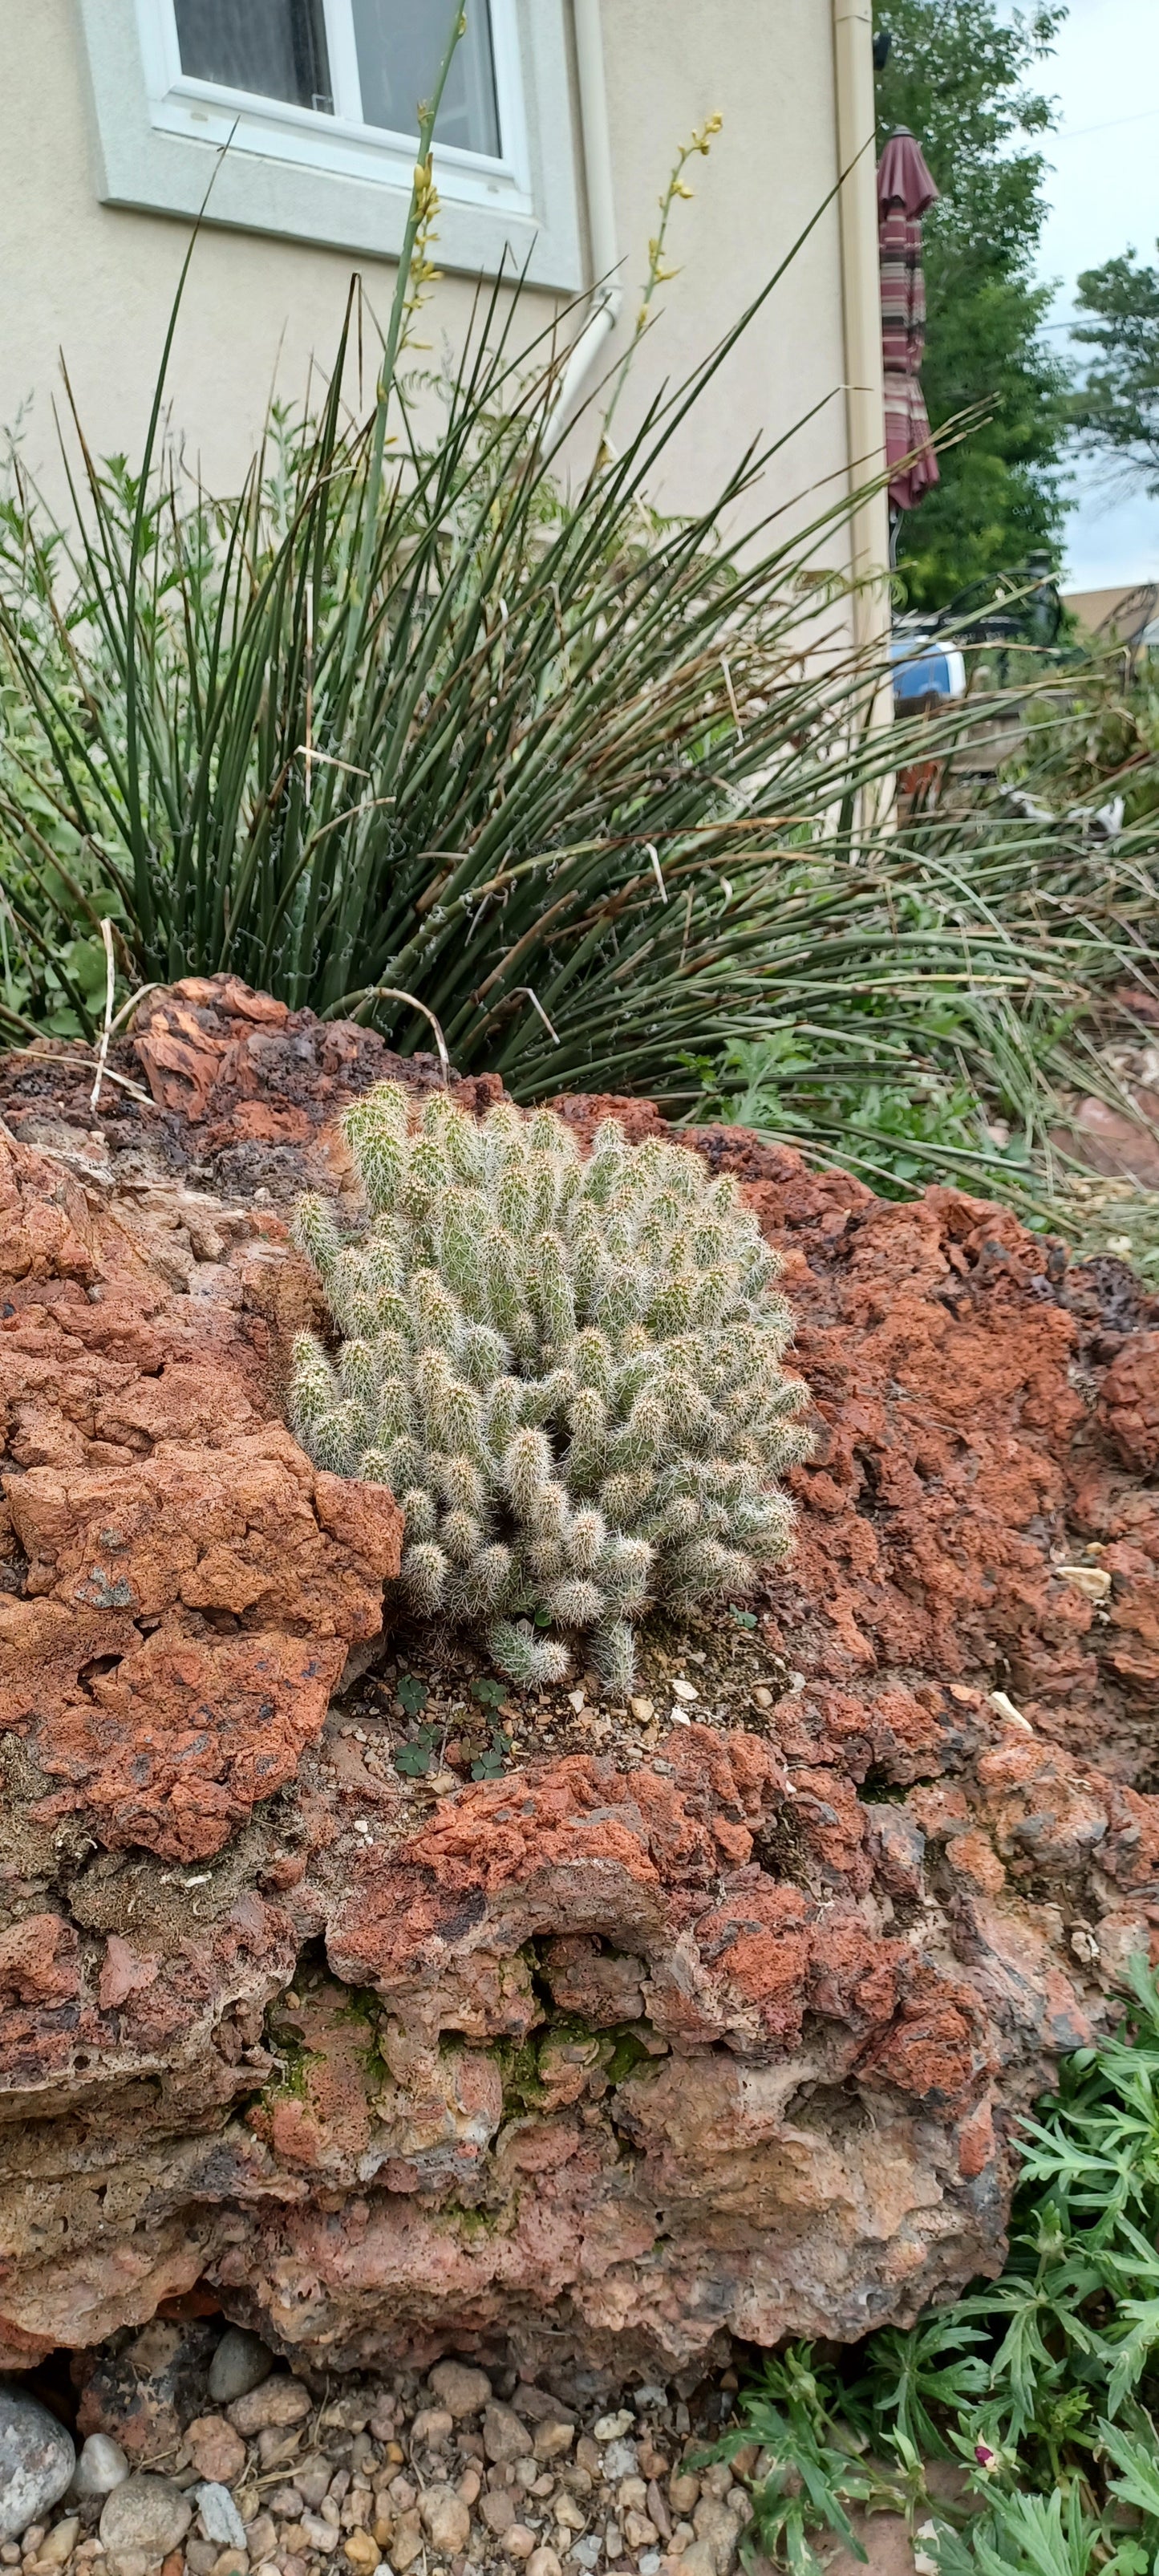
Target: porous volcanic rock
706 2028
988 1430
217 1084
182 1586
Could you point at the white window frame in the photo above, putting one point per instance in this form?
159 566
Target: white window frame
329 179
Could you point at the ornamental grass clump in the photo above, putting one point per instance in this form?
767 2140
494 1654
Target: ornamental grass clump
568 1371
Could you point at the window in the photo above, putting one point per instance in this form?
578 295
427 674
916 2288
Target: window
274 48
367 61
317 102
397 47
336 84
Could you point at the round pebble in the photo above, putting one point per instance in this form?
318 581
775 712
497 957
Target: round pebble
464 2392
37 2459
148 2515
505 2435
432 2426
553 2437
102 2466
60 2543
241 2362
217 2452
275 2403
127 2562
446 2520
361 2550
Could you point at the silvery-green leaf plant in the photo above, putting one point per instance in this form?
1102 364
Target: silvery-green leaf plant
567 1368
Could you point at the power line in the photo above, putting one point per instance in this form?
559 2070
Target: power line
1075 133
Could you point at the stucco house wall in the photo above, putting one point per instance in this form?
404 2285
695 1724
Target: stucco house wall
95 280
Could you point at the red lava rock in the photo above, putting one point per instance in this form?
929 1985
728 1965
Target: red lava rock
217 2452
1129 1404
39 1960
958 1460
184 1587
248 1071
240 1090
613 2053
144 2395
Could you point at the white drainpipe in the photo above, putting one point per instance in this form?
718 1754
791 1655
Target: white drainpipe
607 293
864 389
864 374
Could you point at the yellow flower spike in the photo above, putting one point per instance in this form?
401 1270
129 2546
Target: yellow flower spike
658 275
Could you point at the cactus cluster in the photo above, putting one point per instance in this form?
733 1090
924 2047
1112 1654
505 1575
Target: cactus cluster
567 1370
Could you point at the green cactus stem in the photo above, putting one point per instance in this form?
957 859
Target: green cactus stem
570 1373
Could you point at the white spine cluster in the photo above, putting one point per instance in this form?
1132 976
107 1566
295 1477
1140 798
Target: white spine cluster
568 1371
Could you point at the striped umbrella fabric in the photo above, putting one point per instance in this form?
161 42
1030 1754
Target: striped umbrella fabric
905 191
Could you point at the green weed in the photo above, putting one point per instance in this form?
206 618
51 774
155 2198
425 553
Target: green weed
1043 2384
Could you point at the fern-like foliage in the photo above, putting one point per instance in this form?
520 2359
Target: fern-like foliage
569 1372
1041 2386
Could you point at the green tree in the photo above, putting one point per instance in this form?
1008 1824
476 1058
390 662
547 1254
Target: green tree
1117 411
961 76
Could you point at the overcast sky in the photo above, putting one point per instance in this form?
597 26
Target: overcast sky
1104 195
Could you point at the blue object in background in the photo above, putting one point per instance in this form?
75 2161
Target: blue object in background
925 673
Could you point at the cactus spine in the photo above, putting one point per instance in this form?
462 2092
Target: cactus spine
569 1372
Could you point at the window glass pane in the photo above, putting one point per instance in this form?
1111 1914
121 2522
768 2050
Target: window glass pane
277 48
400 46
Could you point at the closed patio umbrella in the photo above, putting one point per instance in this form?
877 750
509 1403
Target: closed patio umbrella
904 192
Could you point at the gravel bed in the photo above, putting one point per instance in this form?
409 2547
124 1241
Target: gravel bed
454 2474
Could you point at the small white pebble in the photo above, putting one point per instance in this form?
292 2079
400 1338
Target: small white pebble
1005 1708
683 1689
676 1717
576 1700
1091 1579
57 2548
612 2428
